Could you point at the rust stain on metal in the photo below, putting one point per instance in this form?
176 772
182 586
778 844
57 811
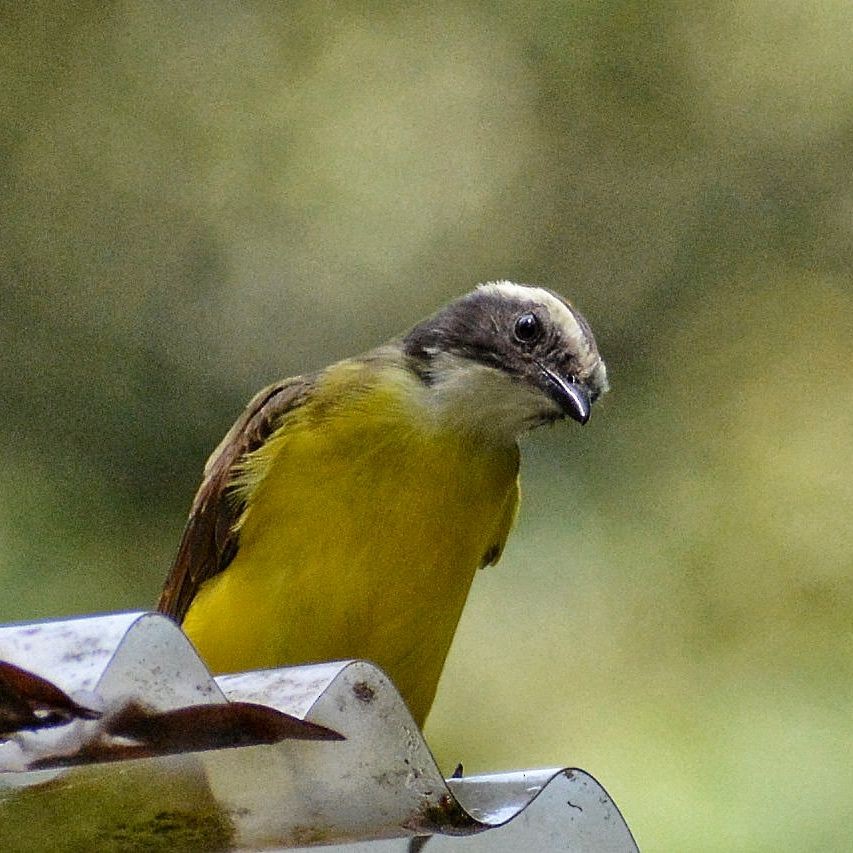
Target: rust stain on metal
446 816
363 692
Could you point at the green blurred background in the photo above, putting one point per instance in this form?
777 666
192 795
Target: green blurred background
197 199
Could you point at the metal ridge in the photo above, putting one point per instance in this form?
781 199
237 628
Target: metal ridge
330 756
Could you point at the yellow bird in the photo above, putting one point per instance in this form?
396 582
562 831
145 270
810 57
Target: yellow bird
346 511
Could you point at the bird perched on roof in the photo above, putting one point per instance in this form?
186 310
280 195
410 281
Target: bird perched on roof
346 511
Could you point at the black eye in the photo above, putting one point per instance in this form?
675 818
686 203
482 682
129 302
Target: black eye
527 328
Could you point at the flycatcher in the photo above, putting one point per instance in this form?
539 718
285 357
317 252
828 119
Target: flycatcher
346 511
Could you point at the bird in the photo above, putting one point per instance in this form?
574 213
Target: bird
346 512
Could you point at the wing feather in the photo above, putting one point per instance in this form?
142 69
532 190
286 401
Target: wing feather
210 541
507 520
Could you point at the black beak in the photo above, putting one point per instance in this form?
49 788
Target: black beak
570 396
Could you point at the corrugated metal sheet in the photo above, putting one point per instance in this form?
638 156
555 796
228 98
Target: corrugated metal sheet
166 757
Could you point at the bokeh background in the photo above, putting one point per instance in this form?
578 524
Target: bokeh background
196 199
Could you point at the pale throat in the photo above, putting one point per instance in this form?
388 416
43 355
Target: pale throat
481 401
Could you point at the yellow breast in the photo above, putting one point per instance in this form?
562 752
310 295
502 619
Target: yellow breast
365 523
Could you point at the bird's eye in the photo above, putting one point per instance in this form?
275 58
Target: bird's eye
527 328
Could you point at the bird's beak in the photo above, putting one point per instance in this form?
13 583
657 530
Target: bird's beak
570 396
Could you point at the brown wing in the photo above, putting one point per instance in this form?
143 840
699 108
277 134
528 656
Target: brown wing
209 542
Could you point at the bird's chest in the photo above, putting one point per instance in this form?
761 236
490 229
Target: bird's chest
369 502
360 538
370 542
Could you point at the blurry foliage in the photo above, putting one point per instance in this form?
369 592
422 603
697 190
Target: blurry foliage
198 199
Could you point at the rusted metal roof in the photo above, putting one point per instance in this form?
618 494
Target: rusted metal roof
113 735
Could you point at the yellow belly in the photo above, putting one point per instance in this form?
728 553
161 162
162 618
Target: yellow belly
361 537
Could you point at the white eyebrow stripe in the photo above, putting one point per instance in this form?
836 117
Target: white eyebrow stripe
560 315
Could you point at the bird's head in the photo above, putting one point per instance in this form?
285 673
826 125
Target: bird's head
506 358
